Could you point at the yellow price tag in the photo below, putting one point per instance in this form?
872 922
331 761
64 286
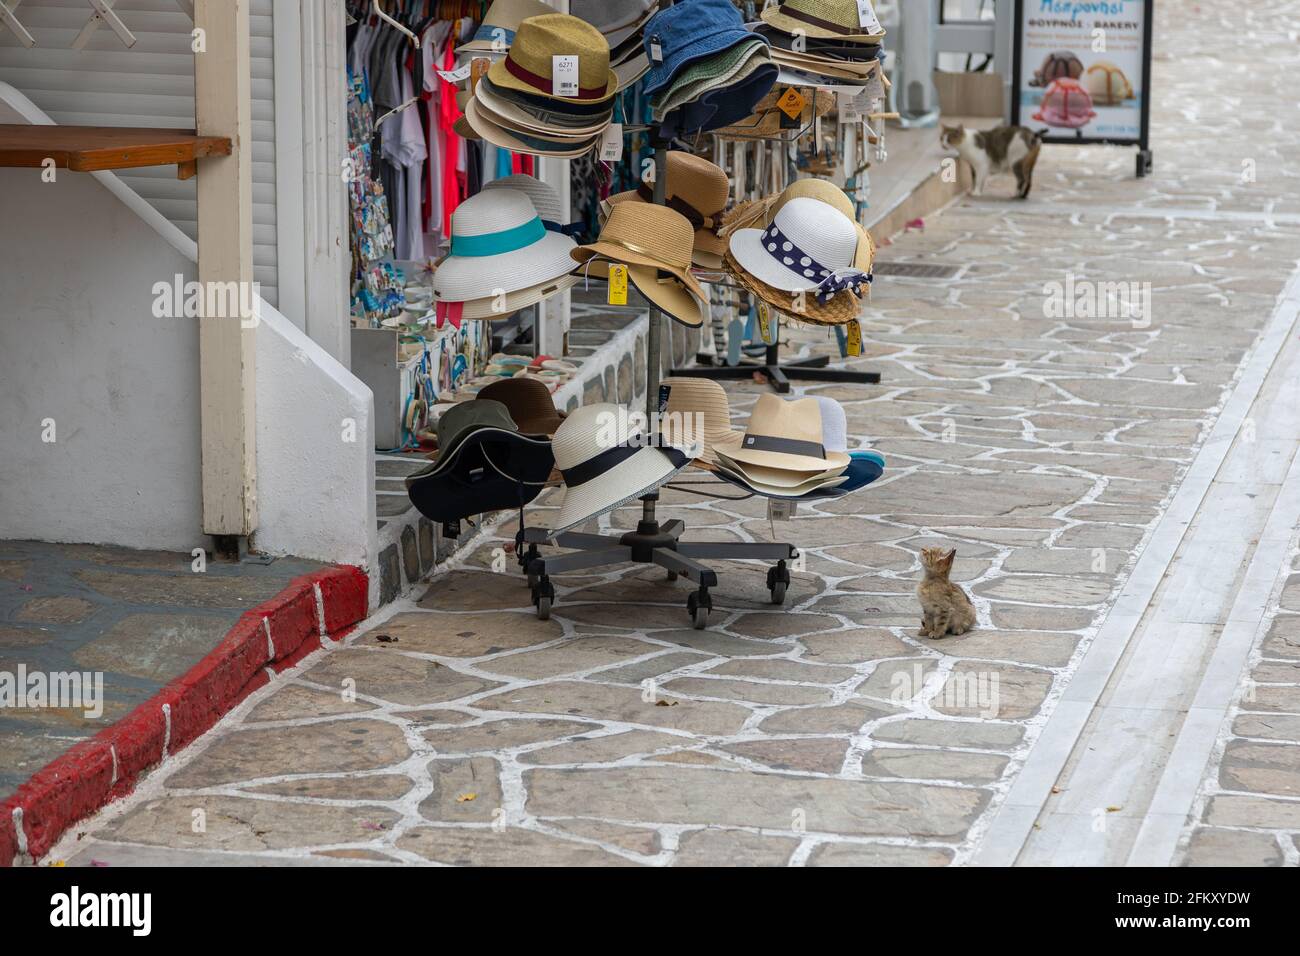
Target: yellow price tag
791 103
854 344
617 284
765 323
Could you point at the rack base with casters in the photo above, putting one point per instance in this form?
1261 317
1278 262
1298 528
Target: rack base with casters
778 374
650 543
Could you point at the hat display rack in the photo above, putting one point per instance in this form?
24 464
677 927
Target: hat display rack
578 456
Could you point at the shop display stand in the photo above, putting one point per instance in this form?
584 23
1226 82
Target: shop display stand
651 542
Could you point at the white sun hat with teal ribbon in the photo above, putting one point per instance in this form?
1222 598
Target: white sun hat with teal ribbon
499 244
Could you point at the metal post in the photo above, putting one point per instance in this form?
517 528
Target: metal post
915 95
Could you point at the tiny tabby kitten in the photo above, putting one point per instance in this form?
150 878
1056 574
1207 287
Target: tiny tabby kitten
999 150
945 608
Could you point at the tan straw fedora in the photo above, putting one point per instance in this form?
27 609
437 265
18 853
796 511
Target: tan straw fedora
655 244
497 31
528 67
840 310
803 436
824 19
696 412
765 121
698 189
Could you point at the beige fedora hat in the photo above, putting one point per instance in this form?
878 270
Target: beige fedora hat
655 244
824 19
488 127
800 435
497 31
606 462
698 189
535 120
529 64
502 306
696 413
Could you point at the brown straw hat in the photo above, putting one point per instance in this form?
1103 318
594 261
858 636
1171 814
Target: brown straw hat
528 66
839 310
765 121
697 411
655 243
698 189
824 19
529 403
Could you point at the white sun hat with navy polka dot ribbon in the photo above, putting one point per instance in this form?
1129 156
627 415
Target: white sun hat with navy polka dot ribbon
809 247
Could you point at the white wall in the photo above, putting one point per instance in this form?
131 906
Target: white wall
79 344
149 84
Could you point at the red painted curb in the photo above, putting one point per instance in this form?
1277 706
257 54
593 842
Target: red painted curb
108 765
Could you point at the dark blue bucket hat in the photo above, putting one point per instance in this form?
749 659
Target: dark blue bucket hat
687 31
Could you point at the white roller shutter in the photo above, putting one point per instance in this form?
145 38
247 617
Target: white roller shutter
150 84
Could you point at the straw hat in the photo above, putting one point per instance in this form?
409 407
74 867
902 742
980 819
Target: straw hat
529 403
696 411
698 189
827 19
497 31
489 127
804 435
655 243
538 115
606 463
765 121
527 67
809 247
840 310
864 468
506 304
542 195
758 213
499 244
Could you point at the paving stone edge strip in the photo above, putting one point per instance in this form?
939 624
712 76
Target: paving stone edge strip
314 608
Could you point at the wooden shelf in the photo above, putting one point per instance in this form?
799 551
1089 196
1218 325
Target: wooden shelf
91 148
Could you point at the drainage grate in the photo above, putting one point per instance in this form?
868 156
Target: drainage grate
917 270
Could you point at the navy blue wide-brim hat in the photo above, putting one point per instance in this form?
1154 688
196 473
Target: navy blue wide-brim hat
687 31
492 469
721 107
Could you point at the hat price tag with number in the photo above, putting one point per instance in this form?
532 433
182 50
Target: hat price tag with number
853 340
564 75
617 284
791 103
656 50
611 143
867 19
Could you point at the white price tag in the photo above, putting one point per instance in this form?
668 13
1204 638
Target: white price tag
457 75
867 19
847 107
564 75
656 51
611 143
781 509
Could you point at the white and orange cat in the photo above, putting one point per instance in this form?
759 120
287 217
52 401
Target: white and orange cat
1004 149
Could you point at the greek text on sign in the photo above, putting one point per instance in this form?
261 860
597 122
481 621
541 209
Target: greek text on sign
791 103
564 75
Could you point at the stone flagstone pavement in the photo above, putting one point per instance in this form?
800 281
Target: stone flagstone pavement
456 728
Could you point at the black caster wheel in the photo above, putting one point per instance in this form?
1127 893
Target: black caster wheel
778 581
698 606
543 597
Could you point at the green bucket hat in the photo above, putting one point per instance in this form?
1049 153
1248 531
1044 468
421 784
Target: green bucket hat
458 423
